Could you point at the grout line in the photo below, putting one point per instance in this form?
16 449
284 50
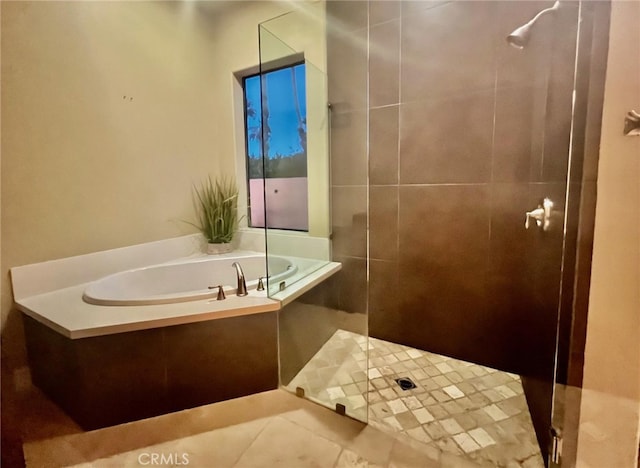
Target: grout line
253 440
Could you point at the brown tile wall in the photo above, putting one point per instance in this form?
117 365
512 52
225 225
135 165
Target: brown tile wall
465 135
108 380
347 70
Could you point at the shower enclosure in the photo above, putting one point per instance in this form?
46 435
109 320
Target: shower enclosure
460 199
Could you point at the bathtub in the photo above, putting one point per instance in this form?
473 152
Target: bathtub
184 280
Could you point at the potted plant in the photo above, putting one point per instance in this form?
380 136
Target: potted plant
216 204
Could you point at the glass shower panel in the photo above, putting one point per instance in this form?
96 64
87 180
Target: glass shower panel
295 145
323 345
467 135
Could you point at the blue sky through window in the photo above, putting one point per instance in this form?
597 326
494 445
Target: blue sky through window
285 112
276 124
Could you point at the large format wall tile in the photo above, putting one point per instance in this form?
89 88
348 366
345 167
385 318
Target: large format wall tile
383 10
528 66
384 308
352 284
445 225
448 49
347 67
447 140
383 145
480 136
509 298
560 96
444 240
227 358
383 222
384 63
112 379
349 221
348 15
349 148
117 373
518 134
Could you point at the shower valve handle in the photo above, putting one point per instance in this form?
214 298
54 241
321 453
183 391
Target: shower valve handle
542 215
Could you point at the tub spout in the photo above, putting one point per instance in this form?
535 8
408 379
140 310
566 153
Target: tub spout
242 285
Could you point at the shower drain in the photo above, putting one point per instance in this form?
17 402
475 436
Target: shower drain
405 383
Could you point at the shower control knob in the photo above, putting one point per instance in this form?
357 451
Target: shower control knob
541 215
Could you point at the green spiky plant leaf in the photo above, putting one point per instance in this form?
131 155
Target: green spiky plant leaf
216 204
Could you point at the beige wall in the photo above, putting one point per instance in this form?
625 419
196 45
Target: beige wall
612 354
110 111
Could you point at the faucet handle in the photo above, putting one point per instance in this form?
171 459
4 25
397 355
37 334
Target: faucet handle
221 295
541 215
260 284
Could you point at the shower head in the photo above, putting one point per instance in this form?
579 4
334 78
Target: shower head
520 36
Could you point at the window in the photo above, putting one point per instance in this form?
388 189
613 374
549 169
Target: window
282 106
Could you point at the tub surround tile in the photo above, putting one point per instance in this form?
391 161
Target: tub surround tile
227 359
107 380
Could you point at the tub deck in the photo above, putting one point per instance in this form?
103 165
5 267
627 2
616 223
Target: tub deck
64 311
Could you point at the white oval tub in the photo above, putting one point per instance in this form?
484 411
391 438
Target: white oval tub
185 280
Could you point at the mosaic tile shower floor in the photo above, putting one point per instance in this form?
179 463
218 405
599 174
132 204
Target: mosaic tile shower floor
458 407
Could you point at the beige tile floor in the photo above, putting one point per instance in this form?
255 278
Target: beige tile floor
457 407
216 435
271 430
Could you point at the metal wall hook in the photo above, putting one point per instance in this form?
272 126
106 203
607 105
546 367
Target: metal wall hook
632 123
